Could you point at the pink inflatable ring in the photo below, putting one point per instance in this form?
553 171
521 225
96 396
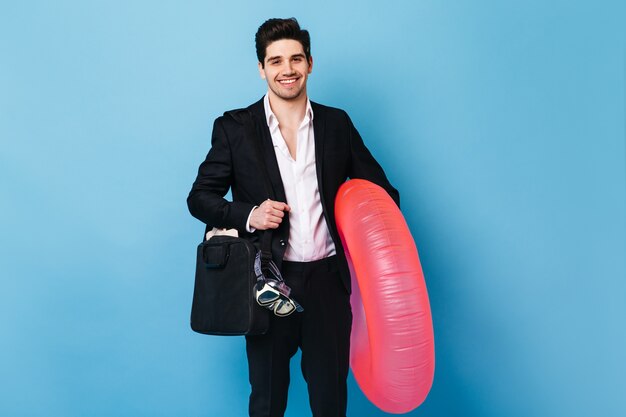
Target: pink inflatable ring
392 353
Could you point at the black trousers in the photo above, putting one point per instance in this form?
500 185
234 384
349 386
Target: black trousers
322 332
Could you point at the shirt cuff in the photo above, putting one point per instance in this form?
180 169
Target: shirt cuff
249 228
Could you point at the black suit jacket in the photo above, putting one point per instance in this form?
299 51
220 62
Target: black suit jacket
232 163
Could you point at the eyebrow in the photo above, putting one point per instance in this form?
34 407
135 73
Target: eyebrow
280 56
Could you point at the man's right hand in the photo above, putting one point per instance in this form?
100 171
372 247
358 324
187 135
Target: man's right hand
269 215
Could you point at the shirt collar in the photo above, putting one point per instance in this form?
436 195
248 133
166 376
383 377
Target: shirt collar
272 121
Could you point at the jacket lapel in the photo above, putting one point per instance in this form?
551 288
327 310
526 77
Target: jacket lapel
319 125
263 133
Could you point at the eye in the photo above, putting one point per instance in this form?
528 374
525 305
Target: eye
298 59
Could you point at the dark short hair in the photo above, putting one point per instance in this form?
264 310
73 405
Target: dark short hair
273 30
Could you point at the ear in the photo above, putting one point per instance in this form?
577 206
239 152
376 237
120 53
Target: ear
310 64
261 71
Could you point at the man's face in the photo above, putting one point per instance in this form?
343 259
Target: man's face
286 69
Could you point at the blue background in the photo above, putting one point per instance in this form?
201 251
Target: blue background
501 123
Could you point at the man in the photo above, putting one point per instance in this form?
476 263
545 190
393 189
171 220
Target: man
309 151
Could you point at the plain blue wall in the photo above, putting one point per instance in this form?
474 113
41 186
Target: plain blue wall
501 123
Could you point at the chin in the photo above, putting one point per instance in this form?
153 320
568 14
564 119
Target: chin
289 96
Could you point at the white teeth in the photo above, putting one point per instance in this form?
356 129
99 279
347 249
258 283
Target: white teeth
287 81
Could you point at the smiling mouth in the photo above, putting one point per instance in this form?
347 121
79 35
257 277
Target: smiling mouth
287 82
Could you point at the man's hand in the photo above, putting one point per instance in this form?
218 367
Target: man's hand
269 215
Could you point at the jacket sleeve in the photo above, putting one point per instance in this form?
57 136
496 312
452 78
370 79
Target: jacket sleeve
215 176
364 166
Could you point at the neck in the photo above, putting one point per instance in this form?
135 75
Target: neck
290 112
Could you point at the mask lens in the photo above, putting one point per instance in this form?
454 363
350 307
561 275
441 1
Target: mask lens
267 296
284 308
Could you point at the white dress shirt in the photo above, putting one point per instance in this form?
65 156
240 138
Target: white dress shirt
309 237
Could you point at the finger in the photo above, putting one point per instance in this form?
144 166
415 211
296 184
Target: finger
278 205
276 213
274 219
275 205
271 225
271 212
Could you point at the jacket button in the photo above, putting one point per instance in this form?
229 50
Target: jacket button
282 242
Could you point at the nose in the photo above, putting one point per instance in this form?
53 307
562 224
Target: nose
288 68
